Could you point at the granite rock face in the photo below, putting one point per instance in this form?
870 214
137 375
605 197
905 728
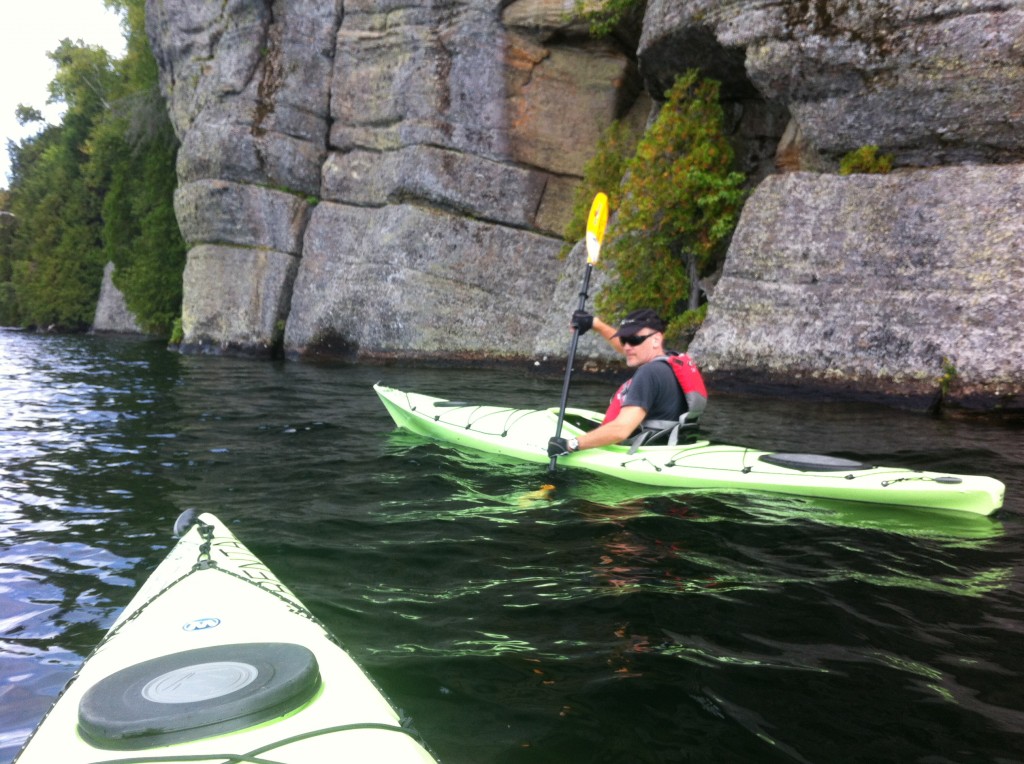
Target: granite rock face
417 281
350 141
877 283
901 285
112 314
248 88
375 178
930 81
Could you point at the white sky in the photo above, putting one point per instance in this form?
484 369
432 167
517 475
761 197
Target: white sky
30 28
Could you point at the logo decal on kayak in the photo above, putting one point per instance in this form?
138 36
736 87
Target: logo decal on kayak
201 624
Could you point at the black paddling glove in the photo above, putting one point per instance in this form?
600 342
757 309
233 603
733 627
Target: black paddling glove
558 447
582 321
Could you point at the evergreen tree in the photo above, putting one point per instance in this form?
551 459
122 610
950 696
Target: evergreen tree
134 157
680 202
8 308
96 188
58 260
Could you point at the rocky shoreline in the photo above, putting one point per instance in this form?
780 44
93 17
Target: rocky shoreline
392 181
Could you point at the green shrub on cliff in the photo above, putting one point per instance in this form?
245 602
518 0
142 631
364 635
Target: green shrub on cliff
865 160
604 16
679 204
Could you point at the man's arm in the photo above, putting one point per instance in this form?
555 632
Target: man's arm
616 430
605 330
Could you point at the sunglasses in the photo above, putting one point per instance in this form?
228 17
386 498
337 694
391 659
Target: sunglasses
636 339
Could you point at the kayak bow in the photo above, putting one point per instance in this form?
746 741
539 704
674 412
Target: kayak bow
523 434
216 660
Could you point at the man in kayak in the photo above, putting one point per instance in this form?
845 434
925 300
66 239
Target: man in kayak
665 391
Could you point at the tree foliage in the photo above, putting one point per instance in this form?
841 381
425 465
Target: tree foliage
604 16
135 148
867 160
97 187
26 114
8 307
680 201
58 259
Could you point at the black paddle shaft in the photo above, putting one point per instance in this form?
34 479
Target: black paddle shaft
568 364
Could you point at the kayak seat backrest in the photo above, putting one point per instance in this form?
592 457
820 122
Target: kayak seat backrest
654 432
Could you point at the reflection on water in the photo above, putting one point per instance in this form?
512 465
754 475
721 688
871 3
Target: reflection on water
515 615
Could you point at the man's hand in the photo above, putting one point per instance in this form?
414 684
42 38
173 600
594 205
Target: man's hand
562 446
582 321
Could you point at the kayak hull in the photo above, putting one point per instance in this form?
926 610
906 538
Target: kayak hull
218 609
523 434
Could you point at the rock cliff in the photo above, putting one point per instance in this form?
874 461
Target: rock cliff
900 284
905 284
391 178
112 314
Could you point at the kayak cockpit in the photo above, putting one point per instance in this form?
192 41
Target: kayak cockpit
813 462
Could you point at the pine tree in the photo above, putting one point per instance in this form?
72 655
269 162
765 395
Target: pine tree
96 188
680 202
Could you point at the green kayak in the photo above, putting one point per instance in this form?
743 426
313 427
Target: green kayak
696 464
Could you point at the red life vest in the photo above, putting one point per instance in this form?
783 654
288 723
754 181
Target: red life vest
687 375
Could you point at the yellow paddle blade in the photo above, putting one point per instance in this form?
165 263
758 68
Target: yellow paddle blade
596 222
533 496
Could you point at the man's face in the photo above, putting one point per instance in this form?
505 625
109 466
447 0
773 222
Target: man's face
648 347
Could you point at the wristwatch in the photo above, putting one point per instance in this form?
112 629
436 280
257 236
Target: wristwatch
574 444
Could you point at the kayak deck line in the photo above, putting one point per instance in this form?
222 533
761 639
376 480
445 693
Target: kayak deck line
695 465
255 757
470 425
257 574
215 659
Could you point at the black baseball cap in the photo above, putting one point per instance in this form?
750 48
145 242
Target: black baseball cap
645 318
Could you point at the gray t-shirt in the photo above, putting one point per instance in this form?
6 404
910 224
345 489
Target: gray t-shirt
654 389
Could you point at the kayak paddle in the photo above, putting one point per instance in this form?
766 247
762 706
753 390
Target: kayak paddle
596 222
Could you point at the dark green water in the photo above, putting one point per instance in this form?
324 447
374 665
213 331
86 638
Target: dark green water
590 624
